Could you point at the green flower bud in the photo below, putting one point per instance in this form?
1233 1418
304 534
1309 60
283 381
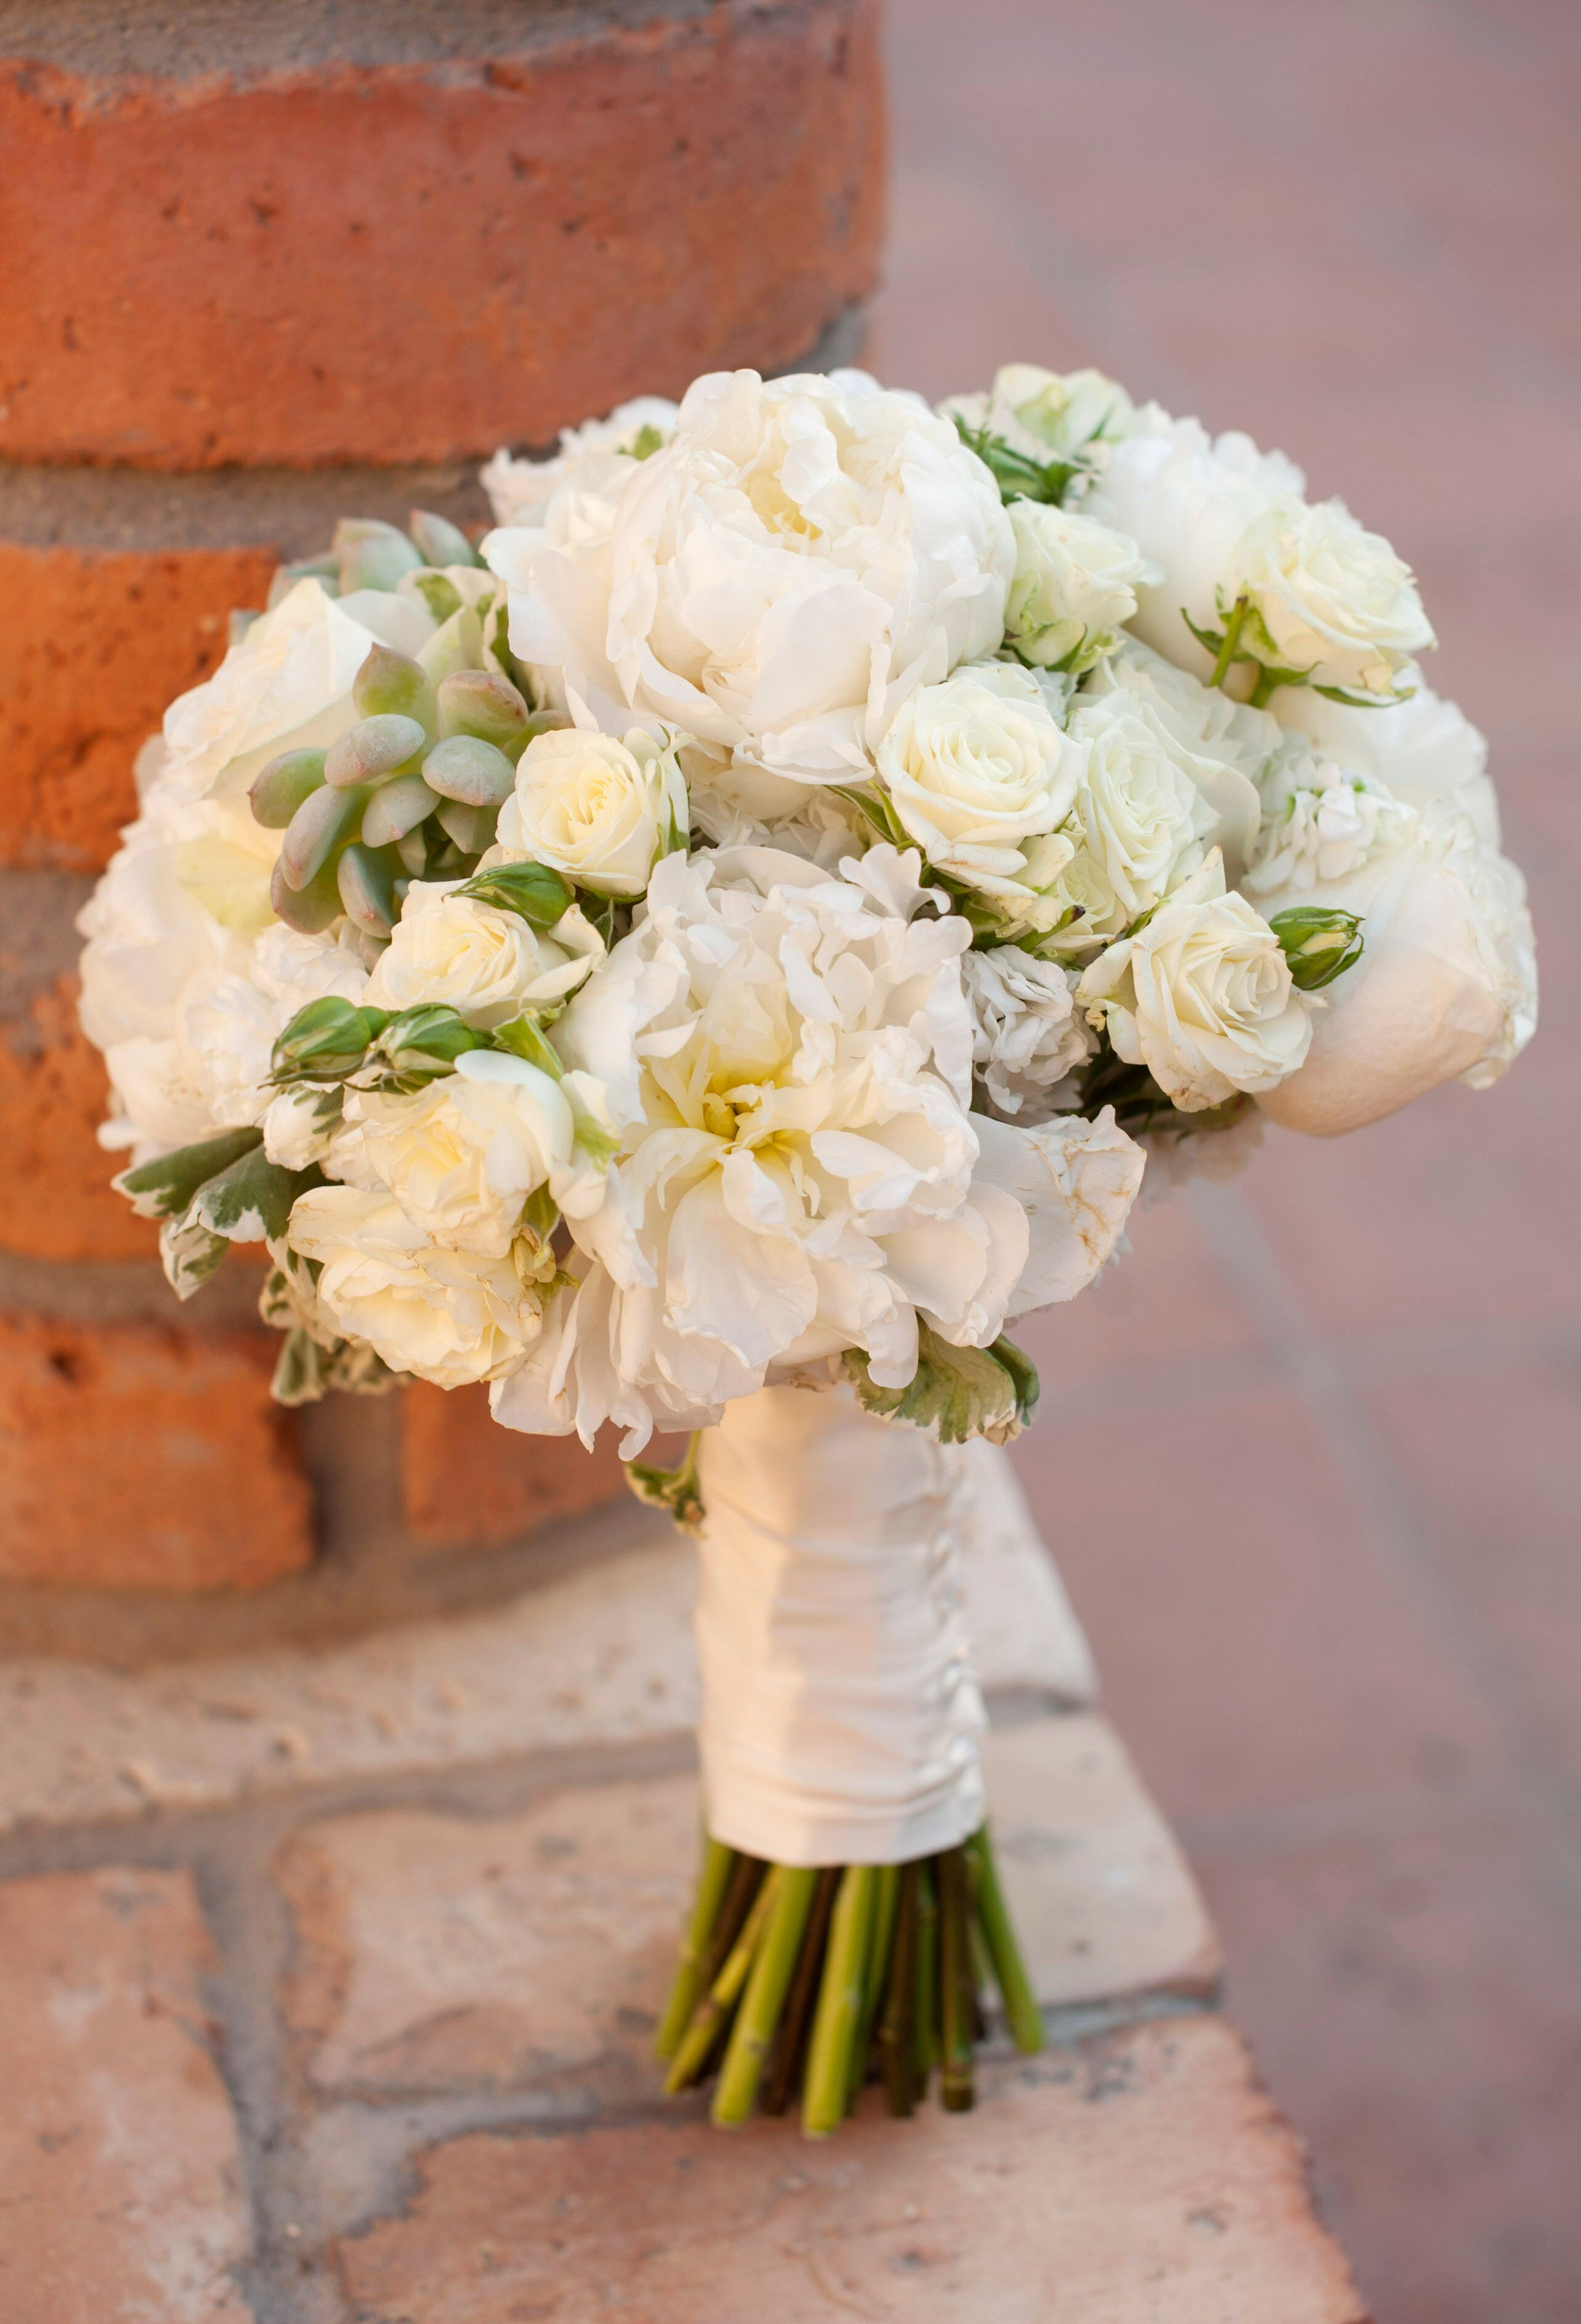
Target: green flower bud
327 1038
1319 944
396 808
279 789
367 889
392 684
372 748
477 702
539 895
310 909
467 769
325 818
442 543
371 555
426 1042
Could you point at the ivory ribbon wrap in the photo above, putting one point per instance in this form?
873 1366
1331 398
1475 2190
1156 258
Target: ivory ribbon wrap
841 1716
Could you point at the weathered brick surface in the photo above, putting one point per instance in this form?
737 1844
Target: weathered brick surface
468 1483
1138 2178
121 2199
436 1952
56 1199
93 646
136 1457
531 235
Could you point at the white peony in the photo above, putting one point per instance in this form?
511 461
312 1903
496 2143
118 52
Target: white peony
1446 986
1202 996
1424 751
1026 1033
1075 584
802 554
788 1058
1225 521
486 963
446 1316
462 1156
601 811
1322 823
518 490
975 767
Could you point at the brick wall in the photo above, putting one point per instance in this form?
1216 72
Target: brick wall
264 265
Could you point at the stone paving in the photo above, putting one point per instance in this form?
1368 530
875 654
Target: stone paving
1308 1460
358 2030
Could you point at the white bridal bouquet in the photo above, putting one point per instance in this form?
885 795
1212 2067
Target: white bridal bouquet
709 957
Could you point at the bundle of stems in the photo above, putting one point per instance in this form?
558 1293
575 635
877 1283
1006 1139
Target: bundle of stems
797 1980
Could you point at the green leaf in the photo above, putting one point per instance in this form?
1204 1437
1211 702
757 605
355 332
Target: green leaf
956 1393
1319 944
1366 701
537 895
164 1189
252 1201
877 809
677 1490
190 1254
1018 476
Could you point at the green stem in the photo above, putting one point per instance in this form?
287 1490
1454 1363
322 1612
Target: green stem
895 2036
718 1861
886 1897
955 1981
840 2001
1269 681
773 1968
796 2023
925 2030
715 2006
1022 2014
1232 638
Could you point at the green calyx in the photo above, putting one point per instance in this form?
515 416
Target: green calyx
1318 943
678 1491
1019 476
955 1393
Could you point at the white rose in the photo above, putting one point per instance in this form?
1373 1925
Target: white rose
1223 519
1047 415
1202 996
487 964
600 811
1026 1033
978 765
1424 751
445 1315
1140 815
519 490
1446 986
801 554
462 1156
1322 823
1222 745
1075 583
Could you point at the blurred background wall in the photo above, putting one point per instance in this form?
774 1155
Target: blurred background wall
1309 1458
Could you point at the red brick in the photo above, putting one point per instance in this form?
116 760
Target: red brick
56 1199
123 2188
408 261
1141 2177
470 1484
136 1456
93 646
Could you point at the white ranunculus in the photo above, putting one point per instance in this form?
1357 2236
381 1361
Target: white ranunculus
788 1058
519 490
601 811
1138 814
486 963
1322 823
800 556
1075 584
1424 751
1026 1033
1222 745
444 1315
1446 986
462 1156
1202 996
1226 520
978 765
